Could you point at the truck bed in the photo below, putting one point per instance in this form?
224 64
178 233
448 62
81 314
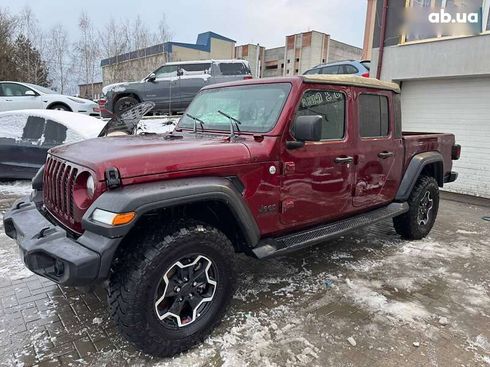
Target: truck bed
418 142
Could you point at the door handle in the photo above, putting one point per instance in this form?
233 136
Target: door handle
384 155
343 160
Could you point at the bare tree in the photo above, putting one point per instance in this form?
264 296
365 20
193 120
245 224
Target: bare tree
114 42
59 57
87 52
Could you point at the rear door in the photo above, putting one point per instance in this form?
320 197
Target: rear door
318 178
379 150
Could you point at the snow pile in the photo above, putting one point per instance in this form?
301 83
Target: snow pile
11 266
17 188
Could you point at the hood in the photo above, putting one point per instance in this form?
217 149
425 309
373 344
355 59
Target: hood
117 87
153 154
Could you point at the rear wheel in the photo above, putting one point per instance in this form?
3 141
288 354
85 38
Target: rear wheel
170 291
423 206
123 104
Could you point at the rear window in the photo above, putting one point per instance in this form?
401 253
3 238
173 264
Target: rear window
233 68
334 69
373 115
312 72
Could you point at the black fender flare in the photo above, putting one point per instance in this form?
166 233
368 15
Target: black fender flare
414 169
142 198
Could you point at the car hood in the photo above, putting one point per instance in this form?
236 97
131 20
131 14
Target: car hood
118 87
153 154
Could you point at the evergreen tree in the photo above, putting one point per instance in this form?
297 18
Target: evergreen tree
31 68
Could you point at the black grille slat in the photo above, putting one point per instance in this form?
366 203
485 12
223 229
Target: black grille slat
59 184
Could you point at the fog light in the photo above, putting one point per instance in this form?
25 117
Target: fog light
112 219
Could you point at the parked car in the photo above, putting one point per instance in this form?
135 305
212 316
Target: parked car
27 135
173 86
352 67
22 96
263 167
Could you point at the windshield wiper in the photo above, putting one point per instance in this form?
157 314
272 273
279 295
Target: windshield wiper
232 120
196 120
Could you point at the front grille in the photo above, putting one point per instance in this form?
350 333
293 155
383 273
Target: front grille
59 182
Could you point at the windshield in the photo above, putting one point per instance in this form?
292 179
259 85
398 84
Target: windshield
257 107
41 89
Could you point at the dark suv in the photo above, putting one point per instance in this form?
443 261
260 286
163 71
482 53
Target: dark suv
173 86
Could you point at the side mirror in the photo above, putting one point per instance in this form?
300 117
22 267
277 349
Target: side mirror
180 72
30 93
306 128
151 77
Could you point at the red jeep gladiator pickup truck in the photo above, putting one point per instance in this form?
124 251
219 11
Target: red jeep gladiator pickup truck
262 167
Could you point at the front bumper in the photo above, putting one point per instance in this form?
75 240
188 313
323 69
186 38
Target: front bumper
50 251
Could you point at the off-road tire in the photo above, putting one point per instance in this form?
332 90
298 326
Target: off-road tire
123 104
407 225
138 271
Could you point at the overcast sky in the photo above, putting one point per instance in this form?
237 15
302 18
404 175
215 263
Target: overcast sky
247 21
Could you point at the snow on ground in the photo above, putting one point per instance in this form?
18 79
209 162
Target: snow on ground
17 188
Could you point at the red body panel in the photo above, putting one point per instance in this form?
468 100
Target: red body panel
305 185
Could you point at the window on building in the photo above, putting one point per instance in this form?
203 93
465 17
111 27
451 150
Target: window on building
282 65
297 59
328 104
296 71
323 60
287 71
289 61
373 115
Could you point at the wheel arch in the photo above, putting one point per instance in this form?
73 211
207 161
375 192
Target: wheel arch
118 96
428 163
214 200
52 104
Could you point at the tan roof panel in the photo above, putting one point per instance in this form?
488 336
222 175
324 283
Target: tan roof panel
355 80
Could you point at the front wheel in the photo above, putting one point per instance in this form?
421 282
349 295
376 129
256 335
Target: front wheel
171 290
123 104
423 206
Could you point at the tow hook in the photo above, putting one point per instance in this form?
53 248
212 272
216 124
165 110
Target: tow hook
46 231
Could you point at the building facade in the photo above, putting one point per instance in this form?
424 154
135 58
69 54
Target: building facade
254 54
444 76
137 64
303 51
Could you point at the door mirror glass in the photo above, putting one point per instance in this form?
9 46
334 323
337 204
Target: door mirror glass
180 72
308 128
151 77
29 93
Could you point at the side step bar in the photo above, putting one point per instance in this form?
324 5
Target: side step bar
280 245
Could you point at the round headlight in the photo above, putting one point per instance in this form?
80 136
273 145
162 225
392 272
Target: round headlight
90 186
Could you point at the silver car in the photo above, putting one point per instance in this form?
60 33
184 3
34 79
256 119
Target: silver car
173 86
352 67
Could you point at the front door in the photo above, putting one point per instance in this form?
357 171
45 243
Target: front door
318 178
18 97
379 151
193 78
164 90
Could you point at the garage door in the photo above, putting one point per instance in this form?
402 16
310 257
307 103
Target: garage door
461 107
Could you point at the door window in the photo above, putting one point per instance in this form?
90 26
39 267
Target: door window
328 104
14 90
196 68
373 115
12 126
166 71
349 69
233 68
334 69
